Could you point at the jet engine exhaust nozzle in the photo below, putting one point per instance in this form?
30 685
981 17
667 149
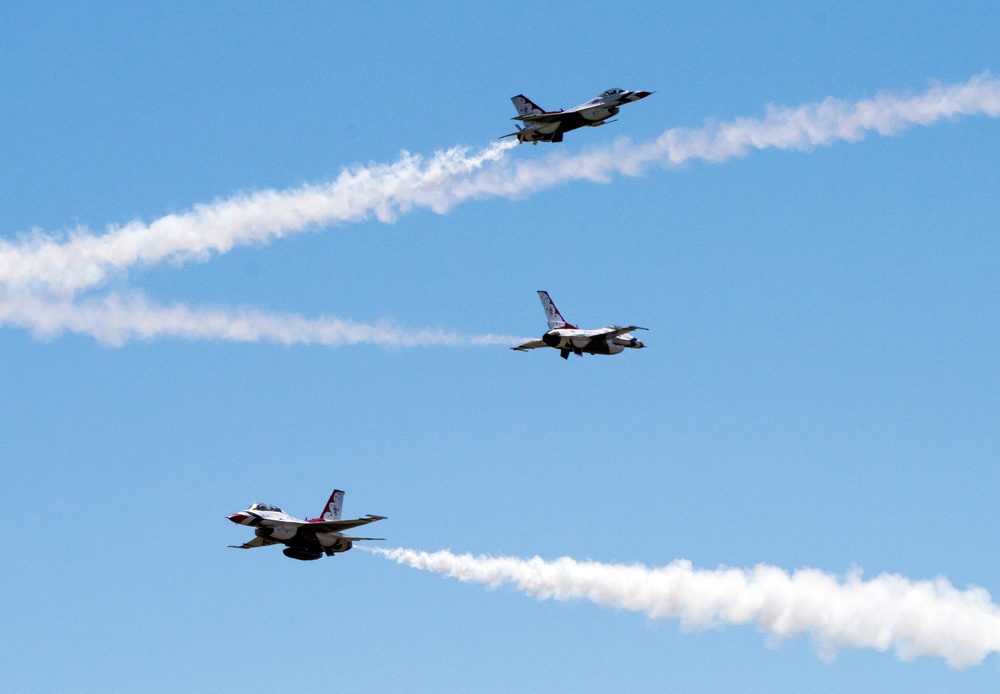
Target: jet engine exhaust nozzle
551 339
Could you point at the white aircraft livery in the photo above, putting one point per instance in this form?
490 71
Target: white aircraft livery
549 126
304 539
568 338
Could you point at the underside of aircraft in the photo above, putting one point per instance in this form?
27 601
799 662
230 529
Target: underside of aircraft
303 539
549 126
569 339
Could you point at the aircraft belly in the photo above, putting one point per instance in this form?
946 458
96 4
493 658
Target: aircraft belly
572 121
603 346
282 532
599 114
306 540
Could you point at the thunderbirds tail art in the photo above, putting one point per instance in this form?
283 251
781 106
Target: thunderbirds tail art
568 338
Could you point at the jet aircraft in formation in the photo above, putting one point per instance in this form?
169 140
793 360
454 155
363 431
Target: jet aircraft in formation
304 539
568 338
312 538
549 126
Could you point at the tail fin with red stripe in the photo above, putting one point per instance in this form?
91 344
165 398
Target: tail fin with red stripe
552 313
526 107
331 511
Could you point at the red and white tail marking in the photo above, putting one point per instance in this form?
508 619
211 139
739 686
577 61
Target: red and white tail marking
332 510
552 313
525 107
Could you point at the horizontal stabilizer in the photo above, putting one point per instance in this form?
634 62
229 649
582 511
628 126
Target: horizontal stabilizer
616 331
256 542
340 525
548 117
534 344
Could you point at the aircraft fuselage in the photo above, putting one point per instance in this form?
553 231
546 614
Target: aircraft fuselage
303 539
549 126
590 341
296 534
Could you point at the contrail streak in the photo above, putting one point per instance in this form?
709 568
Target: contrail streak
115 320
889 611
67 266
84 260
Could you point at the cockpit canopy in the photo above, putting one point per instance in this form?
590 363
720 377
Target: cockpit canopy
613 91
265 507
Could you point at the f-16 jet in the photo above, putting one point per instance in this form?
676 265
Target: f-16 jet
304 539
549 126
568 338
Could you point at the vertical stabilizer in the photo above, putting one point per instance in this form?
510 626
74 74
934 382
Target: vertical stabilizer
525 107
332 510
552 313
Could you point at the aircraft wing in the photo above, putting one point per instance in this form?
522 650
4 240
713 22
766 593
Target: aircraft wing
534 344
338 525
616 331
256 542
553 117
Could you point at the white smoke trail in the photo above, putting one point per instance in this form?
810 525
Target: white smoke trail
85 259
889 611
64 267
115 320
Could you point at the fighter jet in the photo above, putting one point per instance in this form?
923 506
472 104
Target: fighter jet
305 539
568 338
549 126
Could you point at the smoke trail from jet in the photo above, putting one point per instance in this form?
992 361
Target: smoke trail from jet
889 611
115 320
66 266
801 128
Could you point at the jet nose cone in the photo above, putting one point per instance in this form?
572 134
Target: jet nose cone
238 518
639 345
640 95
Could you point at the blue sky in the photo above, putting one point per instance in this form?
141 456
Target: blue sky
820 387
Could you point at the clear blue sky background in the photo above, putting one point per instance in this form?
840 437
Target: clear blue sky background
820 389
